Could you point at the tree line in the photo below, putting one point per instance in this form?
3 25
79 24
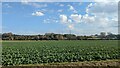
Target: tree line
53 36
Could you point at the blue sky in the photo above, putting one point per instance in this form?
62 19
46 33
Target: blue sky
82 18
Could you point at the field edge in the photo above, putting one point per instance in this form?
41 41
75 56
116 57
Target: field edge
85 64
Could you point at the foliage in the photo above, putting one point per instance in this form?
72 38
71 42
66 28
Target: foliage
52 36
37 52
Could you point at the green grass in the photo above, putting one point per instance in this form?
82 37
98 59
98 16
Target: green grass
40 52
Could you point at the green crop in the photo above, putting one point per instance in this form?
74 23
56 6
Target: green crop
37 52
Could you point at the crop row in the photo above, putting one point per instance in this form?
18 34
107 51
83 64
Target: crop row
19 53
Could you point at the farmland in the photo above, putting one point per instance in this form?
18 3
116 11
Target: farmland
40 52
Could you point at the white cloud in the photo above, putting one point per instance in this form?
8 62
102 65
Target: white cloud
67 22
33 0
98 22
26 2
71 26
72 8
101 7
88 19
46 21
103 12
38 13
100 17
49 20
38 5
60 10
106 0
76 18
61 5
63 19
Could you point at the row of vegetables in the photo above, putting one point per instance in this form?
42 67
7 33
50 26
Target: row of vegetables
20 53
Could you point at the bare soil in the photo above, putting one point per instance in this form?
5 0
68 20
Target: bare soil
85 64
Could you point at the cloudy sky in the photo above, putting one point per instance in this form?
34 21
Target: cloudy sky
81 18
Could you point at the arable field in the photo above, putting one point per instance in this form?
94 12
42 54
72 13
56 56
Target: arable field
42 52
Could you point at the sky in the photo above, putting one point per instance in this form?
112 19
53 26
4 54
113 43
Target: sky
81 18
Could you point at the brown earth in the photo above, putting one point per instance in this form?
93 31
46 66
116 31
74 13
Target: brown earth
85 64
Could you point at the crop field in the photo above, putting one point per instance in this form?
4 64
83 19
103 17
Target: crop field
40 52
